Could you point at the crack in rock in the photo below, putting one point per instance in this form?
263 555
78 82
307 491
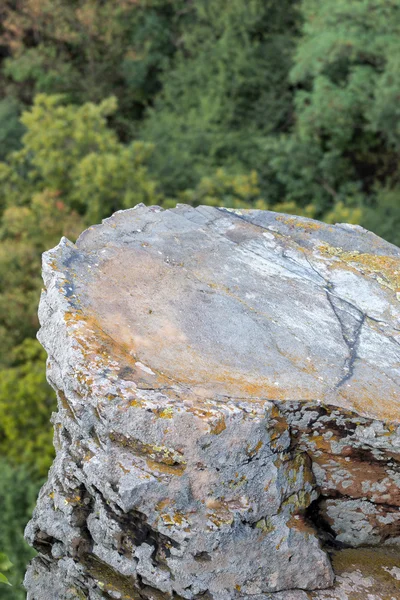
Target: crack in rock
350 324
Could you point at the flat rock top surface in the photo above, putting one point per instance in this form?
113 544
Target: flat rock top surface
243 305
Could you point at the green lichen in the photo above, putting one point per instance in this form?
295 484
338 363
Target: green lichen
265 525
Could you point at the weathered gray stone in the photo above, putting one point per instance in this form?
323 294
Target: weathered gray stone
360 522
228 396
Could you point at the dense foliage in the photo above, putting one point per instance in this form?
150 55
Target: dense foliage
19 490
89 50
345 145
227 90
289 105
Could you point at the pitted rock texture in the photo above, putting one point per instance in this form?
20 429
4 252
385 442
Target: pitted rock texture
228 407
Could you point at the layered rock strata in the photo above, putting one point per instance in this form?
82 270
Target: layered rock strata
228 408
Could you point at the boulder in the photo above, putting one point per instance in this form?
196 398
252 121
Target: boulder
228 408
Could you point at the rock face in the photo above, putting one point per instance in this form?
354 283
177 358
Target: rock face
228 409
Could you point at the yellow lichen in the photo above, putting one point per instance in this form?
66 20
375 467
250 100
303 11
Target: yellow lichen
164 413
385 269
253 451
161 454
219 427
165 469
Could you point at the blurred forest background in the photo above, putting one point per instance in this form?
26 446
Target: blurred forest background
290 105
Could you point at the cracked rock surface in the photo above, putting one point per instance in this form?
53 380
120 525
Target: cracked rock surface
228 418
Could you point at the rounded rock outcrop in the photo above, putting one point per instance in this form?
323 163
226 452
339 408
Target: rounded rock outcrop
228 407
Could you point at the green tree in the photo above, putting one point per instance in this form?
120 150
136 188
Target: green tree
5 565
26 403
243 191
17 499
71 151
11 129
89 49
221 188
225 92
344 148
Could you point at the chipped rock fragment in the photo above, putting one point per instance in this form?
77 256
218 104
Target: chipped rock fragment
228 420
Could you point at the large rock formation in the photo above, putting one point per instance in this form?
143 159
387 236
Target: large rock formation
228 410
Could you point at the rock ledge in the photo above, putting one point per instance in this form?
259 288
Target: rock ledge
228 410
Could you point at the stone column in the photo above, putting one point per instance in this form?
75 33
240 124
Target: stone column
228 406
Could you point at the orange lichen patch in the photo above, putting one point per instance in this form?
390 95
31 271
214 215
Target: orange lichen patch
220 517
253 451
176 518
258 390
165 469
299 523
369 401
65 404
73 500
281 541
134 403
385 269
159 454
385 266
275 413
162 504
202 413
319 442
282 459
219 427
164 413
306 225
124 469
98 346
221 512
390 429
236 384
164 341
277 426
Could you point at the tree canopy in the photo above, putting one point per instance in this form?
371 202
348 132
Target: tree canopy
345 143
